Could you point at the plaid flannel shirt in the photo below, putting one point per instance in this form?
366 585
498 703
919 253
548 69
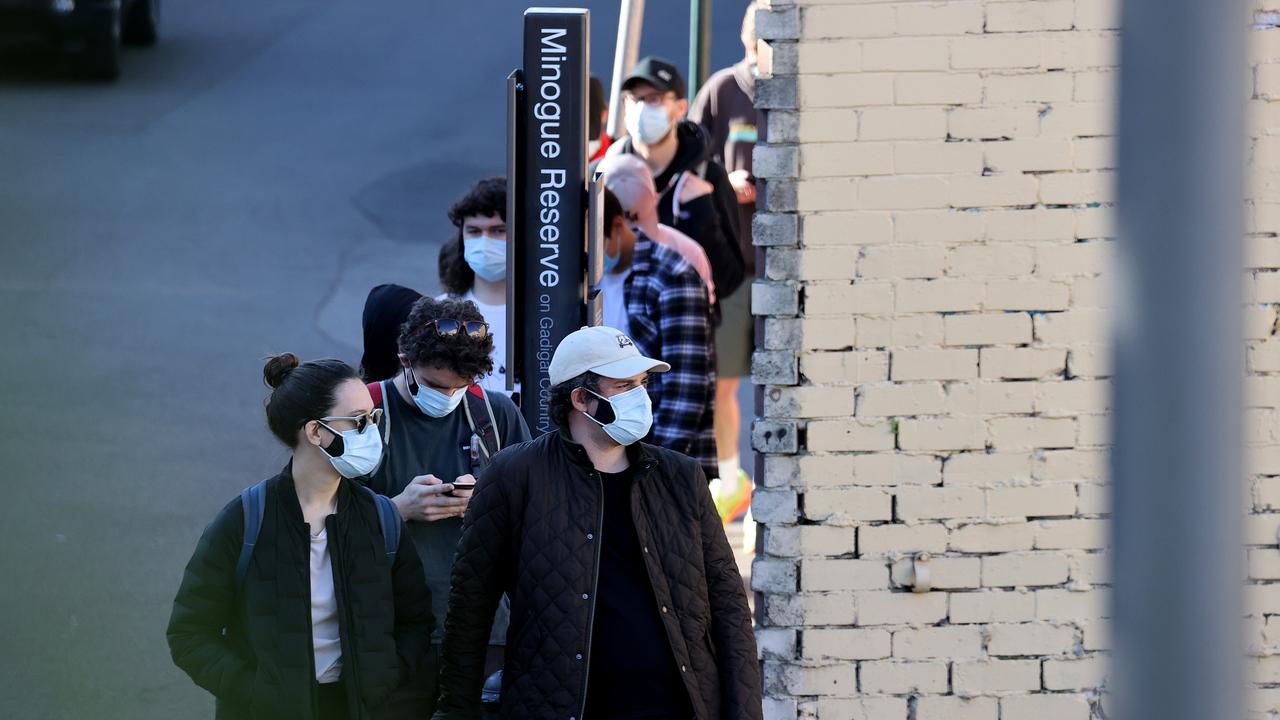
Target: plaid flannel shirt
670 320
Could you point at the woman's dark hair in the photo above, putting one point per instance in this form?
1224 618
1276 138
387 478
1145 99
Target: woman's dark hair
301 393
461 353
560 403
485 199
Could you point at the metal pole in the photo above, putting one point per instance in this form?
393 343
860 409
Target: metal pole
515 314
595 250
1177 457
699 44
625 54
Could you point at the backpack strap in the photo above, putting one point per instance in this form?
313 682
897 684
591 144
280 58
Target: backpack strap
389 519
253 500
480 417
380 391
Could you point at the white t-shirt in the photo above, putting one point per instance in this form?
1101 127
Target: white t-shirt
325 640
613 293
692 252
496 316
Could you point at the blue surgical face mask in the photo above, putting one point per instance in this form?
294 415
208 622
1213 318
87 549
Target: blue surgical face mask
611 261
647 123
360 451
433 402
632 415
486 256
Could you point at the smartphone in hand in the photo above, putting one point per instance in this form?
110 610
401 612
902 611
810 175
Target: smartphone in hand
462 484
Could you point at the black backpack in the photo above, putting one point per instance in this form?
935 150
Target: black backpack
253 499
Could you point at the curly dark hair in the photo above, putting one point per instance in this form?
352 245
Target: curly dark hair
467 356
485 199
560 403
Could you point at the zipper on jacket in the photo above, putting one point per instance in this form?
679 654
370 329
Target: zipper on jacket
311 631
347 636
595 583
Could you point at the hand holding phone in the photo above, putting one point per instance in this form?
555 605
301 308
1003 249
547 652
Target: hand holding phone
427 499
463 486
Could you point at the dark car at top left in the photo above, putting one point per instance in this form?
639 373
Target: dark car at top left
91 31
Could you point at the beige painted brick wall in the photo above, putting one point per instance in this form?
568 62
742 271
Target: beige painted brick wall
937 236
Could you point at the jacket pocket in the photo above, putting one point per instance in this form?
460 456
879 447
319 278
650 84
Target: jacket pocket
711 646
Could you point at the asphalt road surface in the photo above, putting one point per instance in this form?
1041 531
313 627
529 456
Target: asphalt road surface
234 195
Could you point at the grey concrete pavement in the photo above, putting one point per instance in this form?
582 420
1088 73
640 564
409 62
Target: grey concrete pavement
234 195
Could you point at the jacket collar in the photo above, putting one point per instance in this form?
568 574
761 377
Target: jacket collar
288 495
639 454
694 147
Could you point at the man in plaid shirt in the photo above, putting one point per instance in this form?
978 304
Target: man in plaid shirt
657 298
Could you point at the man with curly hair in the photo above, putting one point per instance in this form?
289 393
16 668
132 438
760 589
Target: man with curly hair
473 265
431 434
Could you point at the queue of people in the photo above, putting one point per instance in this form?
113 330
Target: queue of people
421 555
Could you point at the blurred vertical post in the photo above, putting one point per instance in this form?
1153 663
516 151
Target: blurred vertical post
699 44
1179 369
625 52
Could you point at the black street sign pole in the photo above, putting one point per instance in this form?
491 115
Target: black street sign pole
547 185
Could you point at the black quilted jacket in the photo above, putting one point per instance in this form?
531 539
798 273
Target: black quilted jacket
264 667
531 531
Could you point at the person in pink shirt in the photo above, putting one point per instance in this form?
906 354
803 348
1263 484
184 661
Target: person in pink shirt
629 178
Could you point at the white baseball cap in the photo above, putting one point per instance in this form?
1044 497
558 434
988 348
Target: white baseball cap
602 350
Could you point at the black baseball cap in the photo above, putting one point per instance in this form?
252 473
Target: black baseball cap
659 73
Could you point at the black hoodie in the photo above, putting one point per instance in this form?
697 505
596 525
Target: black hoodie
712 219
385 310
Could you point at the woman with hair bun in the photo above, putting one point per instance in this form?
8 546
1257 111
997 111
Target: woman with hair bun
304 598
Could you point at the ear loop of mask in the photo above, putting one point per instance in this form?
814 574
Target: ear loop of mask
337 447
603 408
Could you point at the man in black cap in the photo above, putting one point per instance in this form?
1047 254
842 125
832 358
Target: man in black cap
695 195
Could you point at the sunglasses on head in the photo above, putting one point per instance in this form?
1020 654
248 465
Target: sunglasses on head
361 421
447 327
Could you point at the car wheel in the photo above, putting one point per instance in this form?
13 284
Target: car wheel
100 59
143 25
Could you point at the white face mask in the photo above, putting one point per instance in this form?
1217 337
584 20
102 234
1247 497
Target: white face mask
361 451
647 123
435 403
632 415
487 257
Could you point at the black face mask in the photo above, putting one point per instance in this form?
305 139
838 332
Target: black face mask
336 448
604 411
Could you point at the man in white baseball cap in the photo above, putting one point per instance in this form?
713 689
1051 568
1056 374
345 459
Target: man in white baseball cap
598 392
606 545
605 351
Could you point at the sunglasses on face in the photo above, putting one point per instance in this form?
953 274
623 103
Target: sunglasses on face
447 327
361 422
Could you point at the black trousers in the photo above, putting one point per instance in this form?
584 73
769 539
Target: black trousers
333 701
